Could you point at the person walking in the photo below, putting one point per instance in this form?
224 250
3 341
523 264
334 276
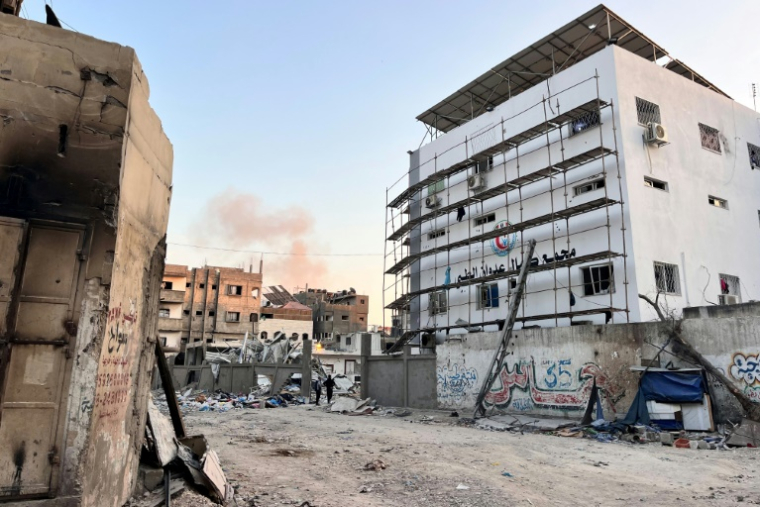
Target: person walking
316 384
329 385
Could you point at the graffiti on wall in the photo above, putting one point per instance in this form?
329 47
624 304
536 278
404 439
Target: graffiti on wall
114 374
455 383
746 368
560 387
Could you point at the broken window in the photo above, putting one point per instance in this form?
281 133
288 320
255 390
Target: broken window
647 112
717 202
186 312
234 290
667 279
585 122
597 280
255 293
437 303
653 183
482 220
729 284
589 187
710 138
233 317
167 285
436 234
164 313
754 155
488 296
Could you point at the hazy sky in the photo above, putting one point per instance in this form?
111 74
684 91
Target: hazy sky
290 119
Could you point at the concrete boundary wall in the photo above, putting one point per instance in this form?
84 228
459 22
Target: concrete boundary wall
550 371
404 380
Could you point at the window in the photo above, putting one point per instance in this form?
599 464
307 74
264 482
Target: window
348 341
163 341
483 166
254 317
729 284
187 285
647 112
350 366
361 319
344 317
186 312
436 234
710 138
361 301
588 187
201 285
585 122
328 368
164 312
754 156
717 202
598 280
234 290
491 217
328 318
338 340
512 283
667 279
437 303
305 336
255 293
233 316
167 285
653 183
211 313
198 313
436 187
488 296
264 335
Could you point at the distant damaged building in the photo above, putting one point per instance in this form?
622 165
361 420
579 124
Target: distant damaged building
85 186
336 314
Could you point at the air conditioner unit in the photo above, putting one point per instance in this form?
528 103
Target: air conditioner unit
476 181
728 299
432 201
656 134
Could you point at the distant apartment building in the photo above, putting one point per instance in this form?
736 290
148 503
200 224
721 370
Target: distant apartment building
207 305
282 314
335 314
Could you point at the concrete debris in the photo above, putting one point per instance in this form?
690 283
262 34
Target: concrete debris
221 401
747 434
375 466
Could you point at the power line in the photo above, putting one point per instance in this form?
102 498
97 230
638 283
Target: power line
201 247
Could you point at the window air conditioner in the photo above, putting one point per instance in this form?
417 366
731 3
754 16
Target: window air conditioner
476 181
656 134
728 299
432 201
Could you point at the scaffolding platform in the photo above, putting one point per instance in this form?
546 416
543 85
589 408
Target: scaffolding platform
523 137
548 266
526 224
533 177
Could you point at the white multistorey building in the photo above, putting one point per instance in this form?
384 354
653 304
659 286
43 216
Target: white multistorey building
633 173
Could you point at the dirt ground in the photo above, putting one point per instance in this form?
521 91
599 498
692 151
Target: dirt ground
294 455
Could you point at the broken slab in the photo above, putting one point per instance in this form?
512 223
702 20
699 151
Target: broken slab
163 435
745 435
344 404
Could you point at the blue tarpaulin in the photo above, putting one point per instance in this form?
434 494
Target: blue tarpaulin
672 387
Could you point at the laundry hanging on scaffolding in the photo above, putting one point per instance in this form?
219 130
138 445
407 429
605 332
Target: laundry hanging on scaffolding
572 298
460 213
447 280
724 286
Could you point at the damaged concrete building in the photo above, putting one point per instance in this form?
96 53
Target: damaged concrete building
335 314
209 305
282 314
85 188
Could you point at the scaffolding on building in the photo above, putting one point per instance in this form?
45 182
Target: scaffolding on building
399 296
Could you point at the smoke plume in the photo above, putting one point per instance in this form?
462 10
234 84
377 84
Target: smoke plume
242 221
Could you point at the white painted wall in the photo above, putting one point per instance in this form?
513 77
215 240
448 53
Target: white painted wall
659 226
286 326
666 225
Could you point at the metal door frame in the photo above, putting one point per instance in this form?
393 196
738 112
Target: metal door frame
75 298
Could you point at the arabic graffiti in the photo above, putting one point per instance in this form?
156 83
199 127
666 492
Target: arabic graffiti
556 374
455 383
485 270
522 377
753 393
746 367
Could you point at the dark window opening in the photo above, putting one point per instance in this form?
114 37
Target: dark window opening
186 312
754 156
211 313
233 316
597 280
585 122
234 290
198 312
491 217
344 317
164 312
201 285
168 285
213 287
653 183
187 285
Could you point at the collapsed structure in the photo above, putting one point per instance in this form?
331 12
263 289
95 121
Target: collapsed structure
336 314
85 187
604 149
